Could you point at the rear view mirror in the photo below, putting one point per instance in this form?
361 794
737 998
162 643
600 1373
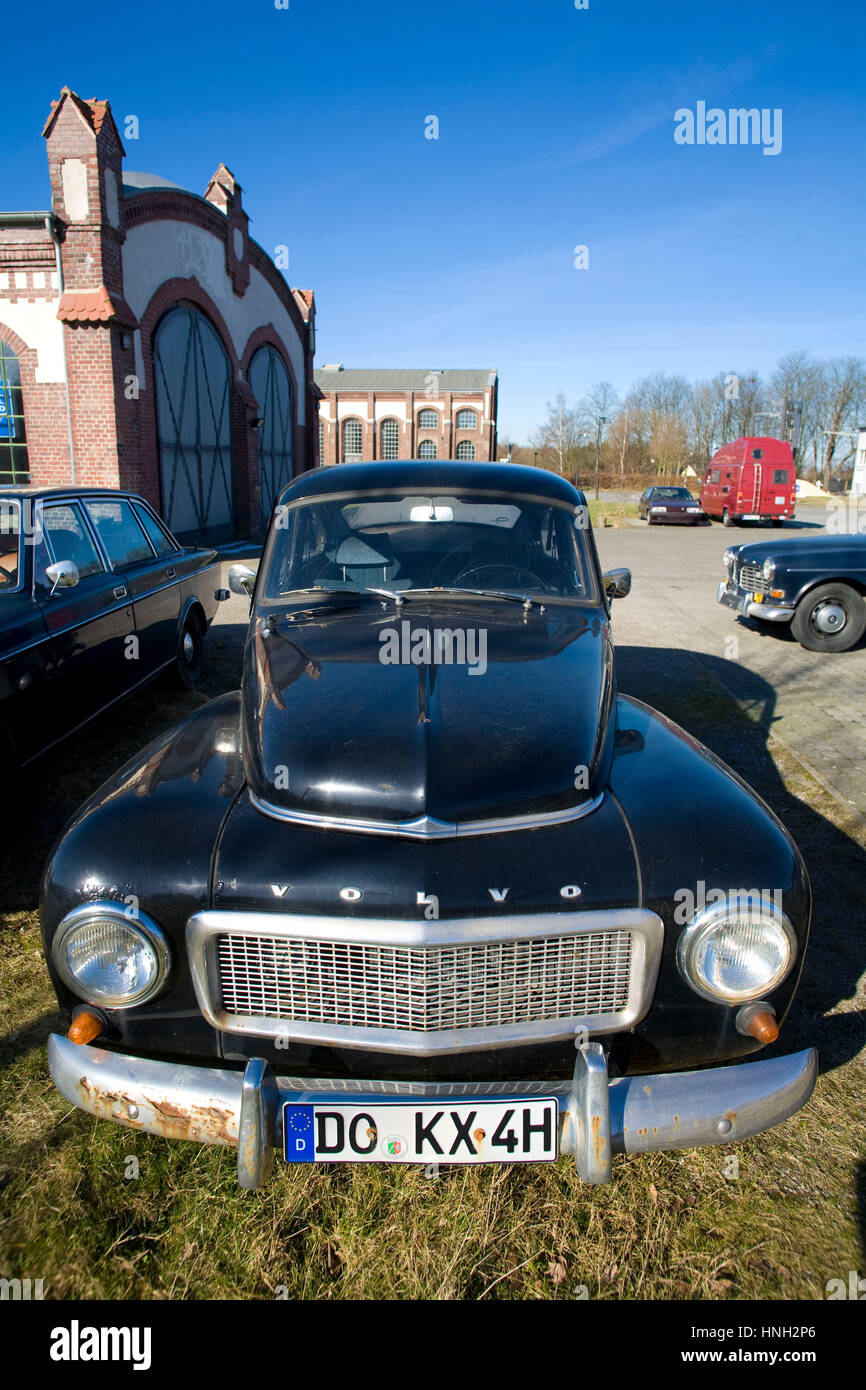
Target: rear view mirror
617 583
241 580
63 574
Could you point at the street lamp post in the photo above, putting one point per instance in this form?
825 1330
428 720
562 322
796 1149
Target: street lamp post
602 419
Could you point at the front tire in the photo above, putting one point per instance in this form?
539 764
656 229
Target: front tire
187 668
832 618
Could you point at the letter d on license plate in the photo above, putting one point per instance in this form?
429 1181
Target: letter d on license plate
448 1131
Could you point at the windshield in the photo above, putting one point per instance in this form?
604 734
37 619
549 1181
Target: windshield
418 541
10 527
673 494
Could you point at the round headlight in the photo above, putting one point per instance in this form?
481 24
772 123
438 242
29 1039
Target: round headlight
769 567
738 949
110 958
728 558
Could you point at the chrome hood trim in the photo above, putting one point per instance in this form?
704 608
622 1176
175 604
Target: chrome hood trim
425 827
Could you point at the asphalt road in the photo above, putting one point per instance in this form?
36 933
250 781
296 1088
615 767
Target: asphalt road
812 702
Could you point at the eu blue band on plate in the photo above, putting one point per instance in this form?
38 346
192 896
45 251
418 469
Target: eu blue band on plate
300 1135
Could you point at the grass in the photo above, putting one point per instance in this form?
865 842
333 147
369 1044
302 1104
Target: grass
779 1223
604 513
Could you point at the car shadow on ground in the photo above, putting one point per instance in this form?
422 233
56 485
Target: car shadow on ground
694 690
781 632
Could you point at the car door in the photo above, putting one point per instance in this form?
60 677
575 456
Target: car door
151 579
26 661
88 624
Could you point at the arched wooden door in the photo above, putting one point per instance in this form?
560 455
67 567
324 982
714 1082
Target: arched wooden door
272 388
192 377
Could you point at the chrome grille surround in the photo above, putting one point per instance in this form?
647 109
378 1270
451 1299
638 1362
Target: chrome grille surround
751 578
424 988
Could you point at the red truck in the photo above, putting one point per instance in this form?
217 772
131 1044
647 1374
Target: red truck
751 479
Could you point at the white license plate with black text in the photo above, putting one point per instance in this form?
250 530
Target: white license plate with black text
448 1131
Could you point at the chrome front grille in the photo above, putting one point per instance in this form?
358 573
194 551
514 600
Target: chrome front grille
425 989
751 578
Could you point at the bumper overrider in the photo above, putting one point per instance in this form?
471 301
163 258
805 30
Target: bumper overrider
598 1115
753 605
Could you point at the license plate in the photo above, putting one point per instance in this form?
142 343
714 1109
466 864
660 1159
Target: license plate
453 1131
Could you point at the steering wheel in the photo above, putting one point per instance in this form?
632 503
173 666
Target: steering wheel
508 570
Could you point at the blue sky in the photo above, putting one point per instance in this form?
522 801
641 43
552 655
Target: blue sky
555 129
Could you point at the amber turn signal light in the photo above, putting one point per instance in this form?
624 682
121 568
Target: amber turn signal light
85 1026
758 1022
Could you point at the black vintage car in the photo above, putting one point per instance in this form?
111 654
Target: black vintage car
427 889
96 598
817 584
663 506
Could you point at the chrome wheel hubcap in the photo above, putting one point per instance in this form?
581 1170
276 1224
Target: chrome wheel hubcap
188 647
829 617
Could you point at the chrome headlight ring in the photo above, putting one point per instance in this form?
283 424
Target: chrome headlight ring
695 947
141 932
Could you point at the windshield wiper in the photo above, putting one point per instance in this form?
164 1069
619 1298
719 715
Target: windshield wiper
523 599
322 591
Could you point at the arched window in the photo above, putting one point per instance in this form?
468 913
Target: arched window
466 420
13 448
353 441
466 449
192 378
272 388
389 436
427 449
428 419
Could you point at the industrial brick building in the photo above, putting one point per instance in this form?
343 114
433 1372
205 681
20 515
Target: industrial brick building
384 414
147 342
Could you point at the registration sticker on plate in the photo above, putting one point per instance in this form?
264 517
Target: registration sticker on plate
451 1131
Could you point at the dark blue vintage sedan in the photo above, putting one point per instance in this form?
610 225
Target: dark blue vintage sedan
96 598
817 584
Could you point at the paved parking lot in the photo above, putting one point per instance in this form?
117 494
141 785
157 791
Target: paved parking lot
813 703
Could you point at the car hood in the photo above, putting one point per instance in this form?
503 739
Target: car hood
339 721
806 552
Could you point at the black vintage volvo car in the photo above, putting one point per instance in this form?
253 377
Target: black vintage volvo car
427 889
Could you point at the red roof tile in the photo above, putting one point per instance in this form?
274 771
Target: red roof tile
95 306
93 109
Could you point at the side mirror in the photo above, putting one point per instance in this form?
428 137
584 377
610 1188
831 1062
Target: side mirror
62 575
241 580
617 583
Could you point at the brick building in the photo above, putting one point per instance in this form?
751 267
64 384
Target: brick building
366 415
147 342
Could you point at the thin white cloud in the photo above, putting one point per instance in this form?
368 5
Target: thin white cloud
651 105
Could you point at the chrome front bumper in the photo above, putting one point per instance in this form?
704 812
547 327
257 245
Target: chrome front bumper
597 1116
734 597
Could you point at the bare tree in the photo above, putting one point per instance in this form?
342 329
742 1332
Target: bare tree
844 389
559 435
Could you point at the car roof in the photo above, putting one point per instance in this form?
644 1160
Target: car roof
69 490
433 473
